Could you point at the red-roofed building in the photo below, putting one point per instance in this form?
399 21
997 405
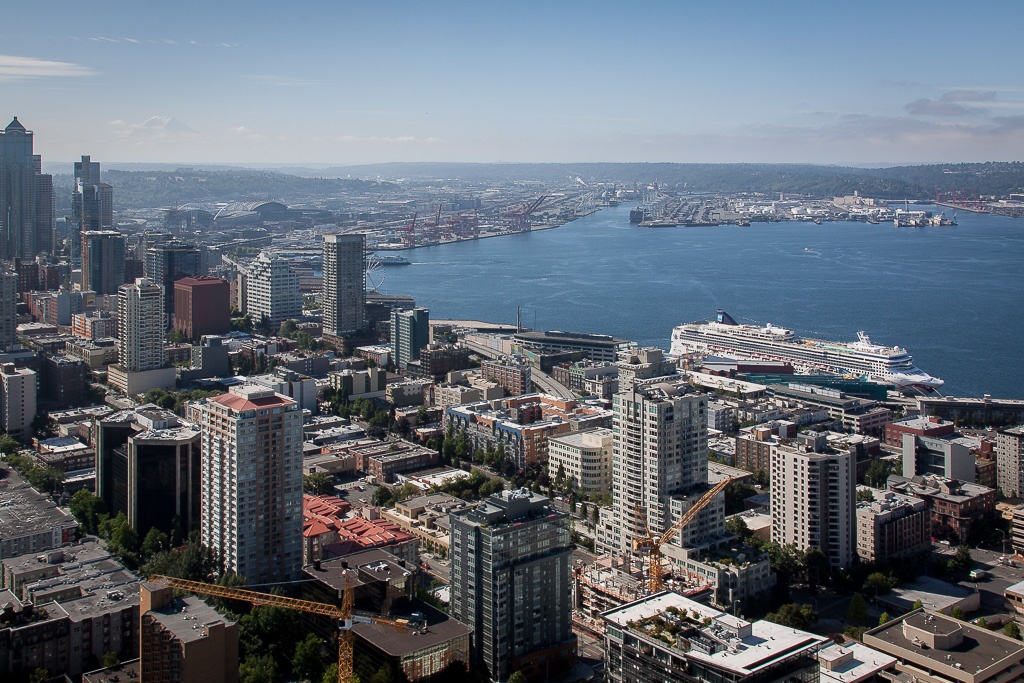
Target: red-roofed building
326 533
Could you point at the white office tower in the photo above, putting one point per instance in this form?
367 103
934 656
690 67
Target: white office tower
273 291
251 506
813 497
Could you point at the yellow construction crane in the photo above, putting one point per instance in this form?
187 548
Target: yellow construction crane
656 575
344 615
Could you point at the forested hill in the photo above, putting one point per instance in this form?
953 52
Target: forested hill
141 189
897 182
162 188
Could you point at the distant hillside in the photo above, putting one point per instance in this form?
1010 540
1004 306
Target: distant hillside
898 182
142 189
161 188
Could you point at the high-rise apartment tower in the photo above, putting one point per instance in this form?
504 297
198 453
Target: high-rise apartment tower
510 581
344 289
251 509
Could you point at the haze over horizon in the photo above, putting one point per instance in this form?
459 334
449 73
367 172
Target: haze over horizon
881 84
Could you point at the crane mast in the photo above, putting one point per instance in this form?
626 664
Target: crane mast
656 574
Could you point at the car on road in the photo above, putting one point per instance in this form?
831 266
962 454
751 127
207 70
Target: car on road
978 574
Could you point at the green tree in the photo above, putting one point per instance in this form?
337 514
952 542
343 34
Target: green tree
982 622
110 659
257 669
857 613
88 509
957 613
883 618
735 497
963 557
308 662
9 444
39 675
738 526
44 426
154 542
917 605
877 584
383 497
317 484
795 616
878 473
865 495
46 479
595 515
331 674
272 631
517 677
491 486
160 397
786 560
1012 630
816 567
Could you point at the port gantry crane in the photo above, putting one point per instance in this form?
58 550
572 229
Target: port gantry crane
653 543
520 214
344 615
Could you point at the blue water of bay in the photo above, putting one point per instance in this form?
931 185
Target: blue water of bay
952 296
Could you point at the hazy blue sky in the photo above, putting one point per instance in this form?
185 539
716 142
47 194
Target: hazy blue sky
351 82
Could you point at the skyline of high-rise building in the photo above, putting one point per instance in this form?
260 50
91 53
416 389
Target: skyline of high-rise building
410 332
344 283
8 308
26 197
510 581
140 314
272 291
17 401
659 459
168 262
813 497
251 501
103 259
92 205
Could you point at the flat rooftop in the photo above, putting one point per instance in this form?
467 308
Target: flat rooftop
980 653
440 628
89 582
758 645
933 593
852 662
186 617
656 604
25 512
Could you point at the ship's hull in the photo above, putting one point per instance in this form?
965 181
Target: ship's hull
806 355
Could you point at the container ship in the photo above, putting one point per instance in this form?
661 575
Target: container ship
862 358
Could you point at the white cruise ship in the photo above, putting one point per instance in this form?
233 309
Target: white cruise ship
724 336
